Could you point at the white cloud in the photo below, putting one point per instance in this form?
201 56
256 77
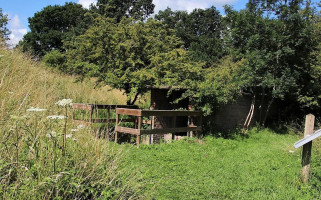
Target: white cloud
17 30
86 3
189 5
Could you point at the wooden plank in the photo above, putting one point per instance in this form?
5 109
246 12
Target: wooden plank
81 106
170 113
306 153
127 130
81 122
116 126
125 111
139 127
113 106
111 120
174 125
170 130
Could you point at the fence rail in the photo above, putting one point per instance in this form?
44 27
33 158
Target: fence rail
95 107
139 114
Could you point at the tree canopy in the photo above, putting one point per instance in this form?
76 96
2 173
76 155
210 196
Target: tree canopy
117 9
200 30
4 32
128 55
52 25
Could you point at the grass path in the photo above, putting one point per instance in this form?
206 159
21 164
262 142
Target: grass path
262 166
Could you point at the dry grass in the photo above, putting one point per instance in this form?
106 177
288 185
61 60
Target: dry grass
35 166
25 83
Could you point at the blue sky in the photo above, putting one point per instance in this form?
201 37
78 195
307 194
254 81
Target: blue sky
19 10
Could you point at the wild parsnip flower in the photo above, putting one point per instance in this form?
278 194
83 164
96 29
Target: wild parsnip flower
32 109
64 102
51 134
69 136
81 126
56 117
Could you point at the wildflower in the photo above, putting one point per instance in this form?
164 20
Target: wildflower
69 136
81 126
10 92
56 117
51 134
32 109
64 102
74 130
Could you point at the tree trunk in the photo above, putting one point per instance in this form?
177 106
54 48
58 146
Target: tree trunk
129 102
261 105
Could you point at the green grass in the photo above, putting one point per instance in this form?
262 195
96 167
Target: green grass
259 167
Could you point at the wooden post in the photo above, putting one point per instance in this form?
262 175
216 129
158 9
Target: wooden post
91 113
151 128
199 124
116 133
306 153
73 114
139 127
107 124
174 125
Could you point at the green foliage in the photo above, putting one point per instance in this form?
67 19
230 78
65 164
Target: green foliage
221 85
117 9
55 59
200 30
52 25
128 55
4 32
275 41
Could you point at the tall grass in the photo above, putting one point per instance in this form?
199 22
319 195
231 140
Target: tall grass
35 163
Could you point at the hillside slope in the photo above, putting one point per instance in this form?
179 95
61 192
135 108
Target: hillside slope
24 83
45 156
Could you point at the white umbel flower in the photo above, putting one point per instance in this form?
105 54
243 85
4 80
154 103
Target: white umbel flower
52 134
69 136
32 109
81 126
64 102
56 117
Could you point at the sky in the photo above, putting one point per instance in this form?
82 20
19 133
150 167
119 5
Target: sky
19 11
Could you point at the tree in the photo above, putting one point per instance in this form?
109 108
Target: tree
200 30
275 41
117 9
4 32
128 55
52 25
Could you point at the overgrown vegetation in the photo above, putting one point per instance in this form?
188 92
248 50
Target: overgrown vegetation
270 50
41 156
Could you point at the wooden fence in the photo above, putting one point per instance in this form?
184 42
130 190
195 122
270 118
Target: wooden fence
194 116
95 107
